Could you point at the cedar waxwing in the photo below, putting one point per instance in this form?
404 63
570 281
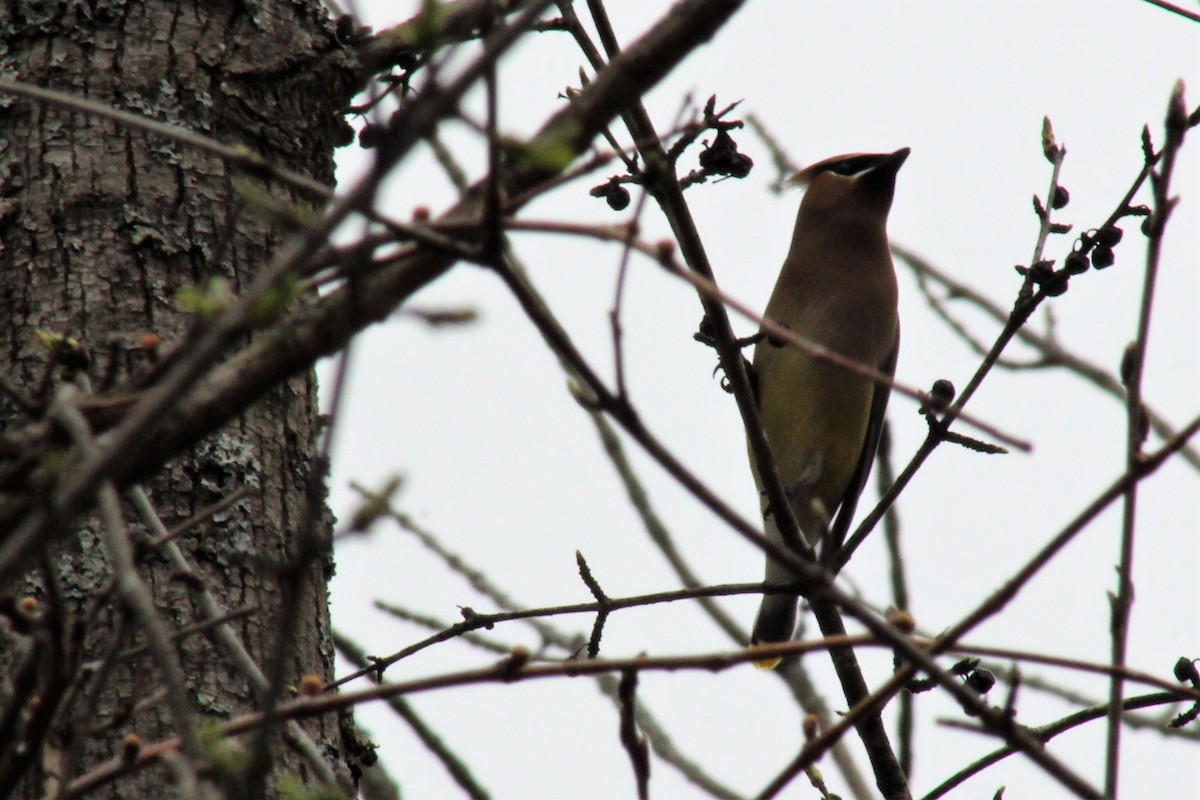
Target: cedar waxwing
837 288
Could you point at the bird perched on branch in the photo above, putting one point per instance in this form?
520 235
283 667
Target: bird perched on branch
837 289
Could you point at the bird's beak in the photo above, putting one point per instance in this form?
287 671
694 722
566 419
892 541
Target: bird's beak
891 164
884 172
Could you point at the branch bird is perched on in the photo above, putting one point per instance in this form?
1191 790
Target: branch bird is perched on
837 288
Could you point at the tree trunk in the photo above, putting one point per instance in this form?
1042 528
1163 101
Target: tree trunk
100 227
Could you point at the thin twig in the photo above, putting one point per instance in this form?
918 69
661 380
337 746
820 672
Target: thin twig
774 329
132 590
991 606
1137 472
658 532
1174 9
459 769
240 157
666 750
1132 371
217 618
812 580
121 454
661 181
609 604
634 744
884 477
1027 302
1045 733
1051 352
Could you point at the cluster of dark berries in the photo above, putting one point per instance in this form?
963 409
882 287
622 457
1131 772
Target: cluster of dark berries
1101 243
1094 249
722 158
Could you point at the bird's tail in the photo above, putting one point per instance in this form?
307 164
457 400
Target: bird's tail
776 622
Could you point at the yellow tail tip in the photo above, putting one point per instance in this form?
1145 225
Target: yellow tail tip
767 662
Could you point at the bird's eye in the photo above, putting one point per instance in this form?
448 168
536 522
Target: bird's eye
849 167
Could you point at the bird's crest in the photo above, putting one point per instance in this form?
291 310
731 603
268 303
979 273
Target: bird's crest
847 165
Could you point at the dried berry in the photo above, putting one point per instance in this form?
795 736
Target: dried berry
965 667
740 166
1185 671
1103 257
372 136
981 681
1061 197
1041 271
618 198
616 195
942 391
722 158
1077 263
1109 236
1055 283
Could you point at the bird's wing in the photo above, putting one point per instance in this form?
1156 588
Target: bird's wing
879 400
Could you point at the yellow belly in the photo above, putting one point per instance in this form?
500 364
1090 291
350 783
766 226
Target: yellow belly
815 417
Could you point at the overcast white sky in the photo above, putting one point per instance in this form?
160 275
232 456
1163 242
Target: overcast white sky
500 462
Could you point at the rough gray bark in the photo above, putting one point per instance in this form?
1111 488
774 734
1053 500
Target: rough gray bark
100 227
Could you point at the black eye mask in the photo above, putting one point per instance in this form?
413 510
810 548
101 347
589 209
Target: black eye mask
853 165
